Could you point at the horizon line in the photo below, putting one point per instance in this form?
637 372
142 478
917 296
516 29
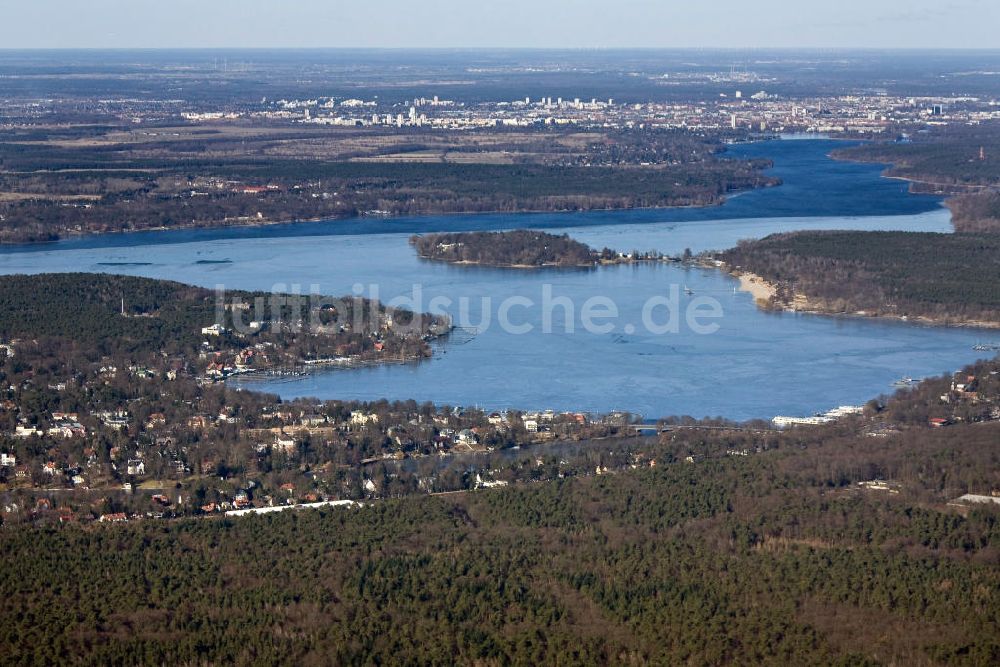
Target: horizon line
911 49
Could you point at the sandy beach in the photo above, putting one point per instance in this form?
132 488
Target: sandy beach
761 290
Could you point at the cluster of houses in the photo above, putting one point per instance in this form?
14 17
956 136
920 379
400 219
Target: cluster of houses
405 432
113 448
63 425
963 388
443 432
458 430
967 390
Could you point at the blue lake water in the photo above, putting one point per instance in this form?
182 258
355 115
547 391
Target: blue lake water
756 364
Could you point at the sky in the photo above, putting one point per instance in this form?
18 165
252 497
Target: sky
499 23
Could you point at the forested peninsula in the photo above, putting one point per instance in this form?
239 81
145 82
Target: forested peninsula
936 278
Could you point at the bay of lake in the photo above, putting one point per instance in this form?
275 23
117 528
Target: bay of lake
757 364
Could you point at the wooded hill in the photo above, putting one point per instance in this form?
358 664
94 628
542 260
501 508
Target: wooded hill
944 277
168 317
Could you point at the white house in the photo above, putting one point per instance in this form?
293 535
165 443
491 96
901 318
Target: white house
359 418
466 437
489 484
312 420
284 443
67 429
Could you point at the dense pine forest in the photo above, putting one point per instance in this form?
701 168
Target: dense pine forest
976 212
942 277
776 558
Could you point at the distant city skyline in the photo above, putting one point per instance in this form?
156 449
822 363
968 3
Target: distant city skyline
512 23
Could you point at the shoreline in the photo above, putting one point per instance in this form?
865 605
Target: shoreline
250 223
490 265
945 191
528 267
262 224
764 292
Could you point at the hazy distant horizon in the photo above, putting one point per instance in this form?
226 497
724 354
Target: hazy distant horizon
514 24
517 49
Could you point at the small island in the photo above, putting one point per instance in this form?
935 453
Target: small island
517 248
520 248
